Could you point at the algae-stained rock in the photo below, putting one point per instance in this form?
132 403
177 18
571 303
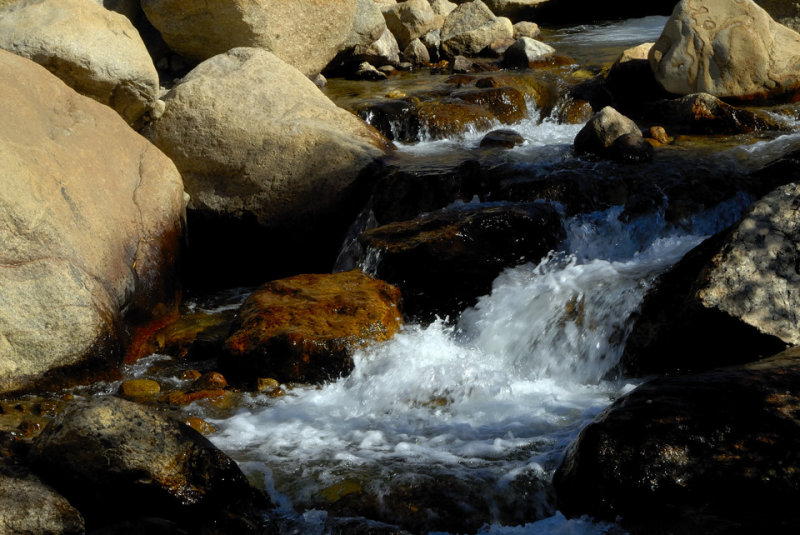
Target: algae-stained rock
471 27
727 49
422 255
305 328
258 143
716 452
27 505
90 222
602 130
701 113
95 51
307 34
411 20
107 454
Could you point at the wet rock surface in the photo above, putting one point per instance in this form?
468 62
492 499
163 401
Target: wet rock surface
107 454
421 255
713 452
305 328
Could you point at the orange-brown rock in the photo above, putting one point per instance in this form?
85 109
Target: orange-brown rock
305 328
200 425
210 381
216 396
139 388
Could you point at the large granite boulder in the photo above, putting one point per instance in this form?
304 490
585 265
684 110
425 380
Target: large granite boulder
115 460
95 51
717 452
733 297
90 222
305 328
727 49
307 34
260 147
471 27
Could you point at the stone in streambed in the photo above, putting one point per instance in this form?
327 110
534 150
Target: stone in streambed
727 49
135 389
93 50
411 20
507 139
525 52
107 455
702 113
717 452
602 130
28 505
305 328
734 296
471 27
445 260
266 158
306 34
91 218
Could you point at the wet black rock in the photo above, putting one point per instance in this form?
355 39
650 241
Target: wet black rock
631 148
120 461
445 260
717 452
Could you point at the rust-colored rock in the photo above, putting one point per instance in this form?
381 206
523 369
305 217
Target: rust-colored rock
216 396
305 328
200 425
210 381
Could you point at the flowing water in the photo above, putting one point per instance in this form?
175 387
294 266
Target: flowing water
470 418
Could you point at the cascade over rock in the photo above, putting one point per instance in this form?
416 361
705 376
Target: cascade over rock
90 222
95 51
307 34
260 146
421 255
727 49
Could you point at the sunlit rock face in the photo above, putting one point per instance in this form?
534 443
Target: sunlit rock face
727 49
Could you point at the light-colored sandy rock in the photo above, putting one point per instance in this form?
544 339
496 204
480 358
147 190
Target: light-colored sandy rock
417 53
471 27
384 51
727 49
411 20
442 7
307 34
252 136
95 51
787 12
526 51
90 222
526 29
368 25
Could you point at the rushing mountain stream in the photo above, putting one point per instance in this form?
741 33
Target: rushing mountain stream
467 418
